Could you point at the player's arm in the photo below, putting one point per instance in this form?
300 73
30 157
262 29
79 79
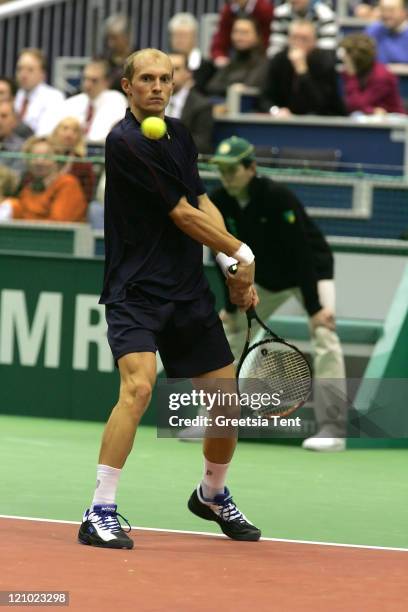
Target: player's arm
209 208
202 227
208 228
206 225
245 274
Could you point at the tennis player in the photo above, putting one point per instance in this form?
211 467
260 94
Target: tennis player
157 217
294 260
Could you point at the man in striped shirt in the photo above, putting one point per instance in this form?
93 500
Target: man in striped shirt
319 13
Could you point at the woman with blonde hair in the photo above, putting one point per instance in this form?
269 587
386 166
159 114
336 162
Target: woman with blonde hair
369 87
49 195
68 140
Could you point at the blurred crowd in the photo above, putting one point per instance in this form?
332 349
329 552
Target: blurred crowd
292 53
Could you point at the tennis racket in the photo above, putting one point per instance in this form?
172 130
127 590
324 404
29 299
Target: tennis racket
276 368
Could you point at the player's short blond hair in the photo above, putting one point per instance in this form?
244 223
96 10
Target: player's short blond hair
132 62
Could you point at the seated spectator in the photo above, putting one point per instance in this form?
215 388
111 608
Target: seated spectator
260 10
318 12
369 87
36 103
10 142
183 30
118 47
67 139
97 108
8 186
391 32
248 63
49 196
8 90
189 105
301 79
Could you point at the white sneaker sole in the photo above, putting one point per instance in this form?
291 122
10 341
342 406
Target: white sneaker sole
314 445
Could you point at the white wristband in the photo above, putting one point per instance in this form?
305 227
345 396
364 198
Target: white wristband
244 254
225 262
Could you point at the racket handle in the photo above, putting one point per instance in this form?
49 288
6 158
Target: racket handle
250 313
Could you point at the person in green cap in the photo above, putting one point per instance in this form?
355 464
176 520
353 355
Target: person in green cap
293 259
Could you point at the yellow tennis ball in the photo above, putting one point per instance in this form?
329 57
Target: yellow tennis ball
153 127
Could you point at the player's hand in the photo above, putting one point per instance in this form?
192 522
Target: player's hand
243 277
241 297
323 318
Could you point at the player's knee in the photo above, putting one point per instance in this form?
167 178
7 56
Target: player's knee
136 395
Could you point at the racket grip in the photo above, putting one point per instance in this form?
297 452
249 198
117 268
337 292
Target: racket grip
250 313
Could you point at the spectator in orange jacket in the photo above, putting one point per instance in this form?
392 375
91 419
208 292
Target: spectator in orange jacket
260 10
49 196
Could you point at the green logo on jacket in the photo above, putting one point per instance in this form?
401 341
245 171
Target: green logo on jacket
289 216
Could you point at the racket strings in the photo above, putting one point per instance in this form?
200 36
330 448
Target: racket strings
274 367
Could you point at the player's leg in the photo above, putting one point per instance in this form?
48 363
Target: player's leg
137 378
100 525
193 345
212 500
330 393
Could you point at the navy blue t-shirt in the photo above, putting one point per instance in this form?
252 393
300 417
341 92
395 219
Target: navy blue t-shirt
145 179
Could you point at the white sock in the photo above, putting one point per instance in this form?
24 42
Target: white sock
107 480
213 479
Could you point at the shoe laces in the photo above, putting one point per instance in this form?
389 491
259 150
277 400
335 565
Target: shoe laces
108 520
228 511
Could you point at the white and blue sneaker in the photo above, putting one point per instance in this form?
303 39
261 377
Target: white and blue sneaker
101 527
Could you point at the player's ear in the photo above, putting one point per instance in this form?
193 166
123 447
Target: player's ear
125 84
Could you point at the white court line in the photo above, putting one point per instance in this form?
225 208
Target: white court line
215 535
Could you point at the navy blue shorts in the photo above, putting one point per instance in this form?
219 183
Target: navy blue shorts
188 335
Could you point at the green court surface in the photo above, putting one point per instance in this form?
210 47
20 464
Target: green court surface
356 497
